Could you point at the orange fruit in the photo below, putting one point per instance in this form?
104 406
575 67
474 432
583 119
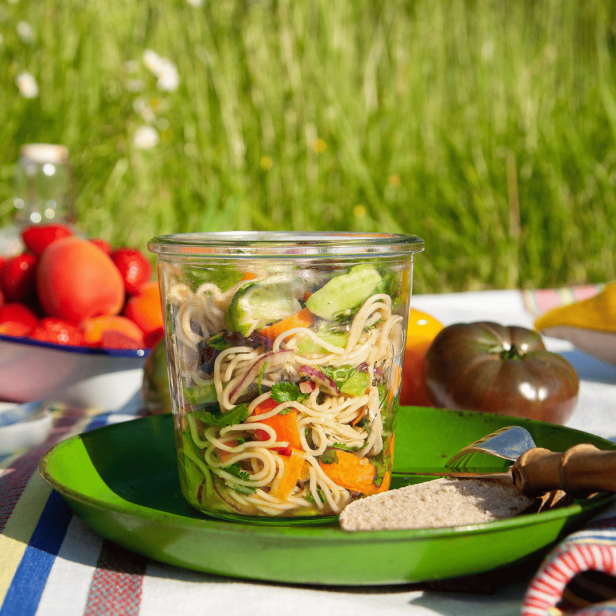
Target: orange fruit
421 331
75 280
145 309
95 327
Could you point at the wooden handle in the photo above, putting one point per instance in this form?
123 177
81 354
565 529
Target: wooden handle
580 471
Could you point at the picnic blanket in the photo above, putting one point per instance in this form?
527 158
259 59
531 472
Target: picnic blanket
51 563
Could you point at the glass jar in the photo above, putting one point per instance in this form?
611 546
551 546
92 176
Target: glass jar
284 353
41 192
42 184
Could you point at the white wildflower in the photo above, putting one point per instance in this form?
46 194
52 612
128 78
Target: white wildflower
152 60
27 85
24 32
163 69
145 138
195 2
168 78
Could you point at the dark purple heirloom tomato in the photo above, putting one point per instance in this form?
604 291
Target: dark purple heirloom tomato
505 370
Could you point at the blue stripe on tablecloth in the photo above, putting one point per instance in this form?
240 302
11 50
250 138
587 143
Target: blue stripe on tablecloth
24 594
98 422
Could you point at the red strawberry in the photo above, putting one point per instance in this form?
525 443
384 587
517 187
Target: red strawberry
134 268
151 340
103 245
2 263
18 278
59 331
38 237
16 320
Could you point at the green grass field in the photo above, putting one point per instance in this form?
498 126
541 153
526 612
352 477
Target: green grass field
487 128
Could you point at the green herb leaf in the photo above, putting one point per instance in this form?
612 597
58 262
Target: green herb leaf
261 377
202 394
381 469
225 340
382 394
235 416
218 342
236 471
310 498
285 391
329 456
344 447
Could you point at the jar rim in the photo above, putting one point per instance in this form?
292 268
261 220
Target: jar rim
295 244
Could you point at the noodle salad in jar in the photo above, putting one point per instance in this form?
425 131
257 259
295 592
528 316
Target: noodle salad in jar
284 382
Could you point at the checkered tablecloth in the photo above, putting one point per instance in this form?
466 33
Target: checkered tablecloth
51 563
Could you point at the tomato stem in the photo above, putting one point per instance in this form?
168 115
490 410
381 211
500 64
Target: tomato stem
512 352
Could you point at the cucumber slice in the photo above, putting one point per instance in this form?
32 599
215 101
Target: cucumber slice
312 347
224 279
264 301
356 384
344 292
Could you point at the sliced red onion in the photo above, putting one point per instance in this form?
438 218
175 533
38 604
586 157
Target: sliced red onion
252 373
256 339
207 359
306 387
363 367
320 378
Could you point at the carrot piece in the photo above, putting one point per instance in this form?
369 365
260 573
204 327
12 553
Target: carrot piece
285 426
385 483
303 318
353 473
359 417
305 472
283 486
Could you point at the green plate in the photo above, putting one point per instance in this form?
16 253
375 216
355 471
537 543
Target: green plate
122 481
